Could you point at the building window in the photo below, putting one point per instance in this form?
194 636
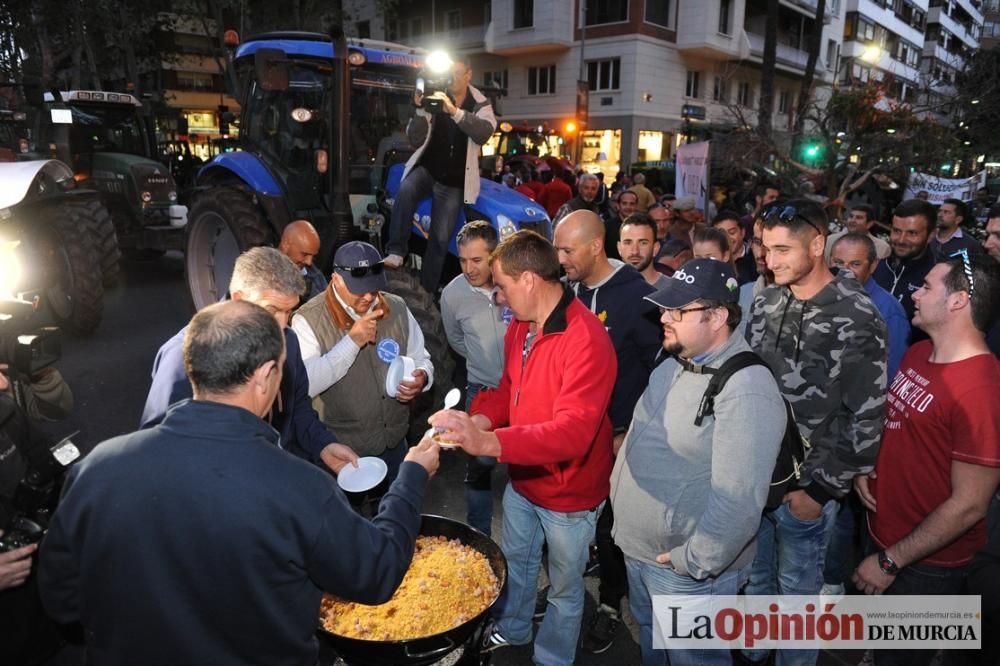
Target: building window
604 74
744 95
453 20
658 12
542 80
606 11
725 13
691 88
195 81
497 78
831 54
524 13
783 99
719 92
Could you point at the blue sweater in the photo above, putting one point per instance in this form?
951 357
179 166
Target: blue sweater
198 542
896 324
302 433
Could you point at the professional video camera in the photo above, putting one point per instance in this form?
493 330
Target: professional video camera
435 77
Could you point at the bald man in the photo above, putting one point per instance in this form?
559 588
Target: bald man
300 243
616 293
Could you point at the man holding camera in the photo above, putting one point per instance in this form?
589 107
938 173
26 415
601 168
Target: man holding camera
447 126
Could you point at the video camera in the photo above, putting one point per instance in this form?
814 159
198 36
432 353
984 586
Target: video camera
435 77
25 349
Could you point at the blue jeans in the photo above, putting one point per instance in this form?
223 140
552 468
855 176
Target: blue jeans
526 527
847 530
646 580
790 556
478 481
445 208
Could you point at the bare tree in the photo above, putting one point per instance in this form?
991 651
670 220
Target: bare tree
806 90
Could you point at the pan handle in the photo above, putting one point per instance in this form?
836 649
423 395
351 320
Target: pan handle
441 651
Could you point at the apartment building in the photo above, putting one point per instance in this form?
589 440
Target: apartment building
991 24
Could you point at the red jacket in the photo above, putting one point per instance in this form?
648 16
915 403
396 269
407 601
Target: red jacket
551 415
554 195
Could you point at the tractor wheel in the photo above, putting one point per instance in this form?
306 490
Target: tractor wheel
102 231
223 223
405 283
76 293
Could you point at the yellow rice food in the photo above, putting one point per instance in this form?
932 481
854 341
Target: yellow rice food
448 583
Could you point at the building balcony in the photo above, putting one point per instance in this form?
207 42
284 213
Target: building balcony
787 56
698 33
953 60
808 8
551 29
938 15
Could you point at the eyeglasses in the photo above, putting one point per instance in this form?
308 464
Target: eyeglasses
361 271
967 265
787 214
677 314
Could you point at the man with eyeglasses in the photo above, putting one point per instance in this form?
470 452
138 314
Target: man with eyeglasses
350 334
824 340
266 277
939 463
710 480
445 165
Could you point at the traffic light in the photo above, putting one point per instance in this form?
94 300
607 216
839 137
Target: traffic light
812 150
570 127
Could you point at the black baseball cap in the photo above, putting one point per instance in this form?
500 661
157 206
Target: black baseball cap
360 264
696 280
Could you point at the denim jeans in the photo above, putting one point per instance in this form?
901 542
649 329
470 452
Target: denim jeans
846 531
646 580
613 579
445 208
478 481
526 526
790 557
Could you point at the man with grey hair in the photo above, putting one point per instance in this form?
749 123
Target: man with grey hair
646 198
266 277
587 187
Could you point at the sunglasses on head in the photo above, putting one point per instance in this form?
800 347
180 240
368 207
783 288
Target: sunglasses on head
967 266
787 214
361 271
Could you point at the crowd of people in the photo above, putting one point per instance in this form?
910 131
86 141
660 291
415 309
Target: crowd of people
634 374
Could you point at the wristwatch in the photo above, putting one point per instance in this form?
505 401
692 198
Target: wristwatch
886 564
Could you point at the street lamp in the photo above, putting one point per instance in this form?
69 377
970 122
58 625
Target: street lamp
871 54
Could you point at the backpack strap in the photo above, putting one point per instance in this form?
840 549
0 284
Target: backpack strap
719 378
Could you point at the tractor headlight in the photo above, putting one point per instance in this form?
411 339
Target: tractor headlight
506 227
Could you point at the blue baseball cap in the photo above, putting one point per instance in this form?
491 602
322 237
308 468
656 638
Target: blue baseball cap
360 264
697 280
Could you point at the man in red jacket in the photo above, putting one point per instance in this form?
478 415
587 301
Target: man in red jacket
548 420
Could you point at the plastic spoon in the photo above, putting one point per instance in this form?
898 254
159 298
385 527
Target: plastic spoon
450 400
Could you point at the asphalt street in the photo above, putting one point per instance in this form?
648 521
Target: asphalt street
109 372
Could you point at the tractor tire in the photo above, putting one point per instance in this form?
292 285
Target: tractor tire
102 231
405 283
223 222
76 295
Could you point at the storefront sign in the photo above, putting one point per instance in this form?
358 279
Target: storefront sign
692 172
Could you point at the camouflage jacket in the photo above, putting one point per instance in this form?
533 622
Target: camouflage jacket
829 357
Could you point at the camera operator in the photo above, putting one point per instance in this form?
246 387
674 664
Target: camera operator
30 636
447 127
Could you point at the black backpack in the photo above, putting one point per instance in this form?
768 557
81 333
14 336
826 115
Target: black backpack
793 449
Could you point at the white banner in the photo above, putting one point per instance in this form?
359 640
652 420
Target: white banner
855 622
691 178
939 189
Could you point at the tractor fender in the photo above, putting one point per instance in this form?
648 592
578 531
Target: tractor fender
247 168
18 177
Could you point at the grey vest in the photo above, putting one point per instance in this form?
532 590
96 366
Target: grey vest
357 407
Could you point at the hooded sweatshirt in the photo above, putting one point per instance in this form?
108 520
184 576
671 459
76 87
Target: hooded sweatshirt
632 322
829 356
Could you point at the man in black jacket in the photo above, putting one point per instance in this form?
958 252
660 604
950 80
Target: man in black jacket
200 541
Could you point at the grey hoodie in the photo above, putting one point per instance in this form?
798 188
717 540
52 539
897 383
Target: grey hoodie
829 355
698 491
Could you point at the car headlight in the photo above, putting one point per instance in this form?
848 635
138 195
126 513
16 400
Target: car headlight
10 268
506 226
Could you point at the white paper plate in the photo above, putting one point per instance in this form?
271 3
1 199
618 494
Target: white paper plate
444 445
368 474
401 368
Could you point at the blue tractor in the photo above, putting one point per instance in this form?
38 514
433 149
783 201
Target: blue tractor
328 148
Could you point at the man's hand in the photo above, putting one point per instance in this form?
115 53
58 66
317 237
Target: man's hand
616 443
364 330
15 566
869 577
446 103
337 456
407 391
802 506
426 454
663 558
861 488
463 430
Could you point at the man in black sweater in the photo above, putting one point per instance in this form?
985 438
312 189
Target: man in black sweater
200 541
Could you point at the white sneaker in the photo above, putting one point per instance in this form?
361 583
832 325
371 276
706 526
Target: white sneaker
393 261
832 590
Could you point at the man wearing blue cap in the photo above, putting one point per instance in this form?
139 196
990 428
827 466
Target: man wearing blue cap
708 476
350 334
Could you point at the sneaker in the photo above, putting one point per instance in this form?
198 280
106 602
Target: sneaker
492 639
541 603
602 630
393 261
832 590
